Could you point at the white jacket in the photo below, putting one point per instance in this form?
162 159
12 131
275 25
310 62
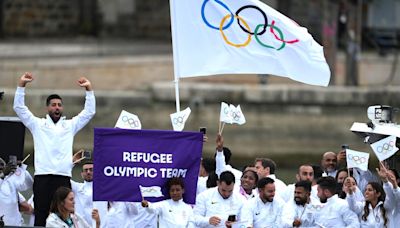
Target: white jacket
259 214
54 221
171 214
83 199
119 215
21 180
210 203
53 142
336 213
306 214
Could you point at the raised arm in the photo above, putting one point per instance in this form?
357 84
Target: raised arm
20 108
89 110
84 82
220 165
351 198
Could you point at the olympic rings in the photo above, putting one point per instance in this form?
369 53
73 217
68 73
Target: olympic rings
262 12
223 34
133 123
150 190
245 27
226 110
317 207
267 46
281 39
178 120
386 147
210 25
236 116
357 159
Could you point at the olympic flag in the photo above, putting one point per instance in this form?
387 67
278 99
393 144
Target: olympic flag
357 159
178 119
243 37
128 120
385 148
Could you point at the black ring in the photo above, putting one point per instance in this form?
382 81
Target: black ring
262 12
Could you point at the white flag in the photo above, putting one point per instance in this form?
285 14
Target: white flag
151 191
243 37
225 114
240 224
128 120
385 148
357 159
237 115
178 119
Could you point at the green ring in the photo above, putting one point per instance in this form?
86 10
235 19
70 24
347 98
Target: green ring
268 46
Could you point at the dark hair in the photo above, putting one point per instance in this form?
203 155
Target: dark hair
264 181
304 184
379 189
266 162
253 172
175 181
343 170
317 171
304 165
90 162
227 177
208 164
328 183
57 204
51 97
212 180
227 154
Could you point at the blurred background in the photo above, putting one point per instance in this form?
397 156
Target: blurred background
124 47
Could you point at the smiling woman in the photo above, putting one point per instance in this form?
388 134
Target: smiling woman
62 211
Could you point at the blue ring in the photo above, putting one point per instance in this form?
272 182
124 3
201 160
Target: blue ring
210 25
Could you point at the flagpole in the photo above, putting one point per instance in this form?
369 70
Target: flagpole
175 54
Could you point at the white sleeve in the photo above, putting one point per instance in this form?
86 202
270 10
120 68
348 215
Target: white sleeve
22 111
86 114
349 217
354 204
220 165
246 214
200 209
22 181
390 202
155 208
288 215
74 186
131 208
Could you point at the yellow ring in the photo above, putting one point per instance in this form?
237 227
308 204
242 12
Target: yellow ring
226 39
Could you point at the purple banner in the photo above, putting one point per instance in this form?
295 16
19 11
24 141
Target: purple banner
125 159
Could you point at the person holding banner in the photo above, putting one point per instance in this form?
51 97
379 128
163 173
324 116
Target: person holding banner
219 206
172 213
53 138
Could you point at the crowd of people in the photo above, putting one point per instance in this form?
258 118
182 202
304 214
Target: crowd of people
322 196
